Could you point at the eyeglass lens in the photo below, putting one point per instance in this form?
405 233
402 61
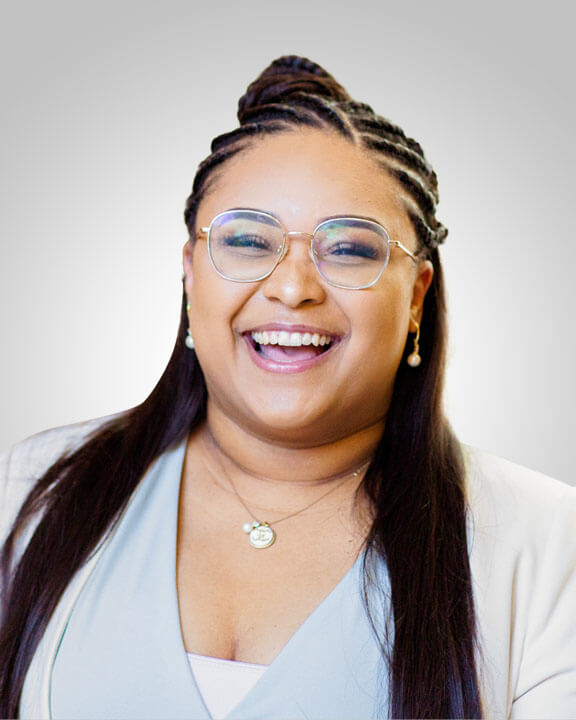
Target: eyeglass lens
246 245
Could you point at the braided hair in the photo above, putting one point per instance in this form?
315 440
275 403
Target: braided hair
415 481
294 91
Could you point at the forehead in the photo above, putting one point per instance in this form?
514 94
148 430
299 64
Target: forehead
304 176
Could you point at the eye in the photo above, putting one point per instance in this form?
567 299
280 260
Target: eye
352 250
246 244
349 242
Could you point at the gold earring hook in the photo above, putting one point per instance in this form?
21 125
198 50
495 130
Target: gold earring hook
414 358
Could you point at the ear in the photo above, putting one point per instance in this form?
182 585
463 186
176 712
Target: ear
424 275
187 265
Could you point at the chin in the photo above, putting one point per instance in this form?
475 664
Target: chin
297 428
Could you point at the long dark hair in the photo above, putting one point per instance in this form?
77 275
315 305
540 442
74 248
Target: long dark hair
415 481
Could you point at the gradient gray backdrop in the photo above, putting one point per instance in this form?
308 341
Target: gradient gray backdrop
107 108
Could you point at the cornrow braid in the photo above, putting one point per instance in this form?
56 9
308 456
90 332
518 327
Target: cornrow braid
278 111
285 77
327 110
429 237
204 176
366 119
424 198
402 153
256 128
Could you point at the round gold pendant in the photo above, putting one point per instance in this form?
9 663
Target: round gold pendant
260 535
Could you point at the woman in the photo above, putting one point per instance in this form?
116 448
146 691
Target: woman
286 527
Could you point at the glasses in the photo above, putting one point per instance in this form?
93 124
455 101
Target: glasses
348 252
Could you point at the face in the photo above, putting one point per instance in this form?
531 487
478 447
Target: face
302 396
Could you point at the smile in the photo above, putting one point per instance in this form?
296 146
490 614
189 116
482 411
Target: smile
289 351
290 339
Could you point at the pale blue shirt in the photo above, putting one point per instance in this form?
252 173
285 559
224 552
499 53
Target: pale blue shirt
122 654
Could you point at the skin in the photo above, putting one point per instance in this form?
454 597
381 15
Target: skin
286 439
301 177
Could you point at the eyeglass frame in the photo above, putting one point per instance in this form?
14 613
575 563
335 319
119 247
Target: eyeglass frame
205 232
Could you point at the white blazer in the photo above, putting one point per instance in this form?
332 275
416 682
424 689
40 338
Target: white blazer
523 559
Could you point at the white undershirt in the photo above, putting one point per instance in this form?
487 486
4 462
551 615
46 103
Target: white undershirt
223 683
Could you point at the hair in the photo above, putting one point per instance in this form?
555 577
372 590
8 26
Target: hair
415 481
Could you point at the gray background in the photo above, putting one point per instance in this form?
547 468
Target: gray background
107 108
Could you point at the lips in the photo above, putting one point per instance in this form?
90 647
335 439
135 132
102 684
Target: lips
289 349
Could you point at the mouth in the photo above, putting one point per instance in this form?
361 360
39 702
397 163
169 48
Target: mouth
289 350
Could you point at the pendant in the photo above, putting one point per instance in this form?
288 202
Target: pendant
260 534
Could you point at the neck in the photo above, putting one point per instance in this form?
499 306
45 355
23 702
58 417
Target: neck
245 454
278 483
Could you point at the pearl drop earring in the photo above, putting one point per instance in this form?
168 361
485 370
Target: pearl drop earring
189 341
414 358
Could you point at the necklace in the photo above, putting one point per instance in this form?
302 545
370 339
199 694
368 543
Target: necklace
260 533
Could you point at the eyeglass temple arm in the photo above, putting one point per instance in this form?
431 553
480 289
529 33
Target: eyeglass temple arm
398 244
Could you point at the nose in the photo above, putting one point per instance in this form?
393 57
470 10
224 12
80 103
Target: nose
295 280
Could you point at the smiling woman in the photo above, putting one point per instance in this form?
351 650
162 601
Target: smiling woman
287 527
301 176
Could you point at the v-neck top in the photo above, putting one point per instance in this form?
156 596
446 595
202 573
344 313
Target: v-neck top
121 654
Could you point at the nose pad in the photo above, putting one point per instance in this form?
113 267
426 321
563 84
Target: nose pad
292 234
296 284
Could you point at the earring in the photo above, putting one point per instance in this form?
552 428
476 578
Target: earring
414 358
189 342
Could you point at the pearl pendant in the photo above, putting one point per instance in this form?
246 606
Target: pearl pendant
260 535
414 359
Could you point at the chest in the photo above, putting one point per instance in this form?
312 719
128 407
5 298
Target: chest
241 603
120 629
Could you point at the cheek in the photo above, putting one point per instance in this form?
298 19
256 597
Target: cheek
382 319
377 343
203 289
214 305
382 349
210 324
211 310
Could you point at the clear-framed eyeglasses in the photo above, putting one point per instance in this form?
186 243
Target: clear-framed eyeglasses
348 252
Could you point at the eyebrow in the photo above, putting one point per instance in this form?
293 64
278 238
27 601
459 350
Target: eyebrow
320 220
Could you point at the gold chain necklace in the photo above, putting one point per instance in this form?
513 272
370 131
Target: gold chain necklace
261 534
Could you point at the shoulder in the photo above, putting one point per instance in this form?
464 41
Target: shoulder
519 517
28 460
515 502
523 561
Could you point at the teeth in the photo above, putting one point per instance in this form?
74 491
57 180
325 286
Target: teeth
290 339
